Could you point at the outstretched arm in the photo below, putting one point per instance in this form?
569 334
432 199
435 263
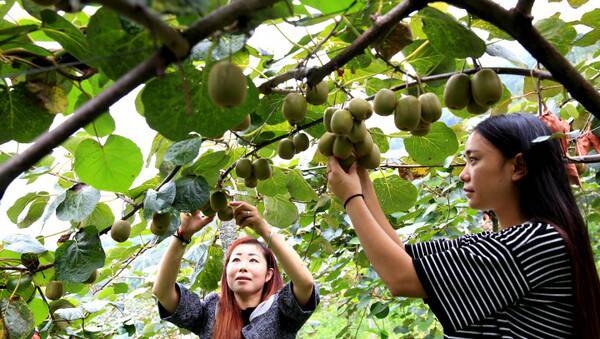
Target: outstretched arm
303 282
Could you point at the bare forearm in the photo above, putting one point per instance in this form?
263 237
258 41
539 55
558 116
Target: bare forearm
377 212
164 286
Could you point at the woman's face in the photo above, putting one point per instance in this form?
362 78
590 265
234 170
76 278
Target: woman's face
247 270
489 178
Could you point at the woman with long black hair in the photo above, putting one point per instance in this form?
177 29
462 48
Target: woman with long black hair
536 277
253 301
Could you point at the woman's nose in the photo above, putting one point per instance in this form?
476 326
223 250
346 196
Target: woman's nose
464 176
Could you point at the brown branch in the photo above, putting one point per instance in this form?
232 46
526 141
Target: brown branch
523 8
45 143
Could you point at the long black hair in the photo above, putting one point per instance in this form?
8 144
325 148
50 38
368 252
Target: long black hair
546 183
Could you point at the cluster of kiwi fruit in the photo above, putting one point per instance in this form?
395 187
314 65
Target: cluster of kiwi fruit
218 204
347 137
413 114
477 94
252 171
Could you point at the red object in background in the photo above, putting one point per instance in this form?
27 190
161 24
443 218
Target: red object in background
556 125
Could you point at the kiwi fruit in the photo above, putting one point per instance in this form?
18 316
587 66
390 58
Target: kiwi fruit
227 84
225 214
243 168
160 223
318 95
54 290
120 230
422 129
364 147
358 132
218 200
92 277
327 118
285 149
474 108
431 108
243 125
342 147
385 102
360 109
325 145
251 182
408 113
372 159
294 108
301 142
347 163
457 92
341 122
261 169
486 87
207 210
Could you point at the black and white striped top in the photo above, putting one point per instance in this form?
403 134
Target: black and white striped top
515 283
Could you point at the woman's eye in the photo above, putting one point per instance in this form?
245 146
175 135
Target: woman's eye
235 260
253 260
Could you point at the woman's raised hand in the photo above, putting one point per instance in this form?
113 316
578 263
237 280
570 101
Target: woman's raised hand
343 184
246 214
192 223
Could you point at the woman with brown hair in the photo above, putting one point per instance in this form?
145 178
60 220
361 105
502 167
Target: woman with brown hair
253 301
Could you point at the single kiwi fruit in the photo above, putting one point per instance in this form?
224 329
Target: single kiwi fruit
360 109
244 124
120 230
294 108
54 289
342 147
301 142
474 108
327 118
243 168
318 95
261 169
92 278
385 102
372 159
218 200
358 132
341 122
408 113
285 149
431 108
422 129
364 147
486 87
457 92
225 214
325 145
227 84
251 182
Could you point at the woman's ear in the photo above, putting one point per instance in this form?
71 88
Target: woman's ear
520 169
269 275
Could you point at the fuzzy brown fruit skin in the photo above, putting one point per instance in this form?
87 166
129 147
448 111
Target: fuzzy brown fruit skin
358 132
372 159
227 86
341 122
385 102
342 147
285 149
408 113
364 147
431 108
327 118
120 230
474 108
218 200
318 94
225 214
243 168
261 169
243 125
360 108
251 182
422 129
457 92
301 142
54 290
486 87
92 277
294 108
325 145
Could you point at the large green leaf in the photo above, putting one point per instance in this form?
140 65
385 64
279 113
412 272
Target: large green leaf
577 3
112 166
101 217
169 112
77 259
17 318
327 7
79 203
39 310
23 243
29 199
22 114
280 212
588 38
159 201
557 32
433 148
209 164
102 126
380 139
192 193
395 194
208 279
273 186
298 187
450 37
591 18
119 45
182 152
69 36
424 58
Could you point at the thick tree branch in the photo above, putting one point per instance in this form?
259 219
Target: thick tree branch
92 109
523 8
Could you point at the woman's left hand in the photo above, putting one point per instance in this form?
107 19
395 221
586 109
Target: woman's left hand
342 184
246 214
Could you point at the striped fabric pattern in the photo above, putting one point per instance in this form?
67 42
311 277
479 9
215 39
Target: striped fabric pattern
515 283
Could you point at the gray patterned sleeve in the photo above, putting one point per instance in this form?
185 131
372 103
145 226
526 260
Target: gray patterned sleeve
191 312
289 308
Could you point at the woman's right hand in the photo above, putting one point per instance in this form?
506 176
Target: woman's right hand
365 182
192 223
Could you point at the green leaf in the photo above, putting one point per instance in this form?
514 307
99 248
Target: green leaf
549 88
209 164
182 152
379 310
36 209
577 3
588 38
557 32
380 139
62 31
39 310
22 114
17 208
448 36
433 148
494 31
395 194
591 18
208 279
273 186
18 319
192 193
327 7
423 57
280 212
120 43
102 126
23 243
79 203
269 109
110 167
77 259
159 201
101 217
167 111
298 187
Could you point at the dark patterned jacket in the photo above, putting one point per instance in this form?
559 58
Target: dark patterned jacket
279 317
